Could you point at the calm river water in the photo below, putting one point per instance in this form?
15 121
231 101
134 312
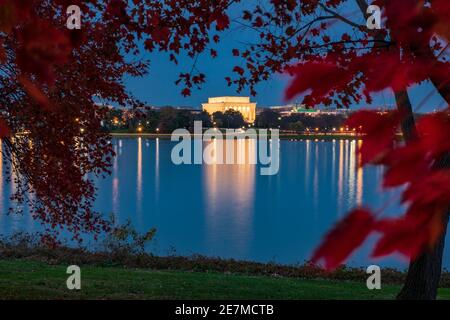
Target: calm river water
232 211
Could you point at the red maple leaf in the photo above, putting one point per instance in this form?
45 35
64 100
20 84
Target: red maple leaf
344 238
409 235
379 129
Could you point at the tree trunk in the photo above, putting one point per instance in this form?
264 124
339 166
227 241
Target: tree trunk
424 273
442 84
404 106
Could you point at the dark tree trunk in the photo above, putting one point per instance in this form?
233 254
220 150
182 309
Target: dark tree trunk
404 106
442 84
424 273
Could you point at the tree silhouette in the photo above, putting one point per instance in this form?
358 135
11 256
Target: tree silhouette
51 78
336 60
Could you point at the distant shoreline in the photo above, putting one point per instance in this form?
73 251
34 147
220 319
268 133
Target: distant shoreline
283 136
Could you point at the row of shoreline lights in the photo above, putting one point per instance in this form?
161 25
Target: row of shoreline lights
342 129
140 128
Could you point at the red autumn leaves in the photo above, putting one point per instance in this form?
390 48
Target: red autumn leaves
415 165
345 237
410 49
70 70
39 47
377 70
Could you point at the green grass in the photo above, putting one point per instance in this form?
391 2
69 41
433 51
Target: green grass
26 279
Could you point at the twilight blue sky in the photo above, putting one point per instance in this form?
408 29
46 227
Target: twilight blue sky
158 88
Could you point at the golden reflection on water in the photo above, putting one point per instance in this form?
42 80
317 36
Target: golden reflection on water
307 158
139 179
237 181
115 183
232 186
359 178
349 169
340 176
352 170
316 178
156 169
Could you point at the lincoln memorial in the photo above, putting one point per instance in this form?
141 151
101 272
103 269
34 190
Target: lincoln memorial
241 104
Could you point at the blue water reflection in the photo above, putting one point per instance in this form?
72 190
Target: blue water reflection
232 211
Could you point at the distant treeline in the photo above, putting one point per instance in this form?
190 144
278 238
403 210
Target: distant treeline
167 119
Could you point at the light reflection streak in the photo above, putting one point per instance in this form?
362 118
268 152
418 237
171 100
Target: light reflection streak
235 190
157 169
115 184
333 167
307 155
340 176
139 177
360 178
352 172
316 177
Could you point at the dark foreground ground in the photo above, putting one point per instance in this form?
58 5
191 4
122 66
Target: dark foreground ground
27 278
30 271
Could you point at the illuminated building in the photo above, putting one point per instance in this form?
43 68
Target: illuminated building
241 104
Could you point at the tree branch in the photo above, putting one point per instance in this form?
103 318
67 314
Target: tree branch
340 17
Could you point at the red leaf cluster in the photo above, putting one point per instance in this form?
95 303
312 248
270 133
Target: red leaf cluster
332 74
379 130
413 164
344 238
52 78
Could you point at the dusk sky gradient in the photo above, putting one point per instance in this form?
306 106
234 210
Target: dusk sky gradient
158 88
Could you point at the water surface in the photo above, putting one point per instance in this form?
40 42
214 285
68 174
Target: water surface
232 211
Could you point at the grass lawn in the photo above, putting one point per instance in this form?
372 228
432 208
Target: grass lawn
25 279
